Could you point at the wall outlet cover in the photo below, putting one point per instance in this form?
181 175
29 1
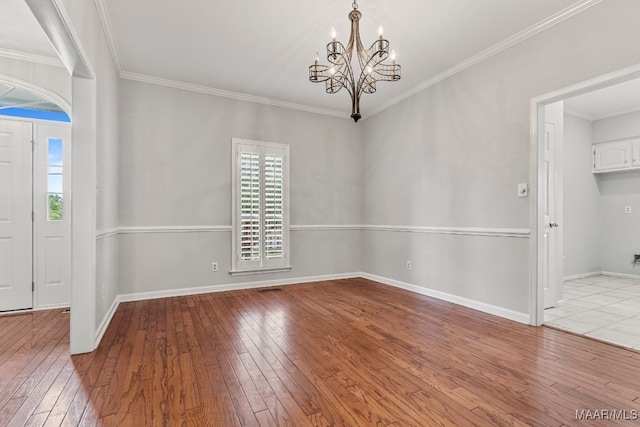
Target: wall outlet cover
523 190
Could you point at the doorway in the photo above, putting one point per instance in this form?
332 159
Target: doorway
542 261
35 188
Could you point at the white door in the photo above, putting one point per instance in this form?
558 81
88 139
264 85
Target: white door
52 213
550 236
15 215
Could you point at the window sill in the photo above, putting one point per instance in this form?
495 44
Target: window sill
260 271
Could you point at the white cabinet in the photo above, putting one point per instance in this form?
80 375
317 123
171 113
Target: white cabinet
635 154
616 156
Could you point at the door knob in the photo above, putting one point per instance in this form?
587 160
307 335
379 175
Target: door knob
554 224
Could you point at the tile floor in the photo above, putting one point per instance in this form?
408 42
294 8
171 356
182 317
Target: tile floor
602 307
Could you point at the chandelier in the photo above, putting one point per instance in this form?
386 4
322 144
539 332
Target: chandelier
340 74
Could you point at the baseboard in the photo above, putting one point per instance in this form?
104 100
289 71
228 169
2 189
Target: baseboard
622 275
63 306
232 287
107 319
476 305
581 276
602 273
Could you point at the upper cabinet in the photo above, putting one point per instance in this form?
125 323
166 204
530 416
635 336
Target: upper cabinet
616 156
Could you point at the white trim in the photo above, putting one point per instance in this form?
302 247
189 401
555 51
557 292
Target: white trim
617 113
233 287
622 275
31 57
174 229
495 49
50 307
581 276
56 23
570 111
326 227
536 124
103 14
580 88
107 232
284 269
465 231
107 320
488 53
232 95
476 305
45 93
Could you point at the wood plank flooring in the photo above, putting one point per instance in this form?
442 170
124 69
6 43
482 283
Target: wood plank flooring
339 353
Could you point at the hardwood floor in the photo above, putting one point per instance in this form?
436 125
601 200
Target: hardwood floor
349 352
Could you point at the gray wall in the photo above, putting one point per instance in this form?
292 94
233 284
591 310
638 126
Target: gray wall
620 235
175 171
86 22
581 221
453 154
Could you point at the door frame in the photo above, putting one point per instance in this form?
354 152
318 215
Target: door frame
536 153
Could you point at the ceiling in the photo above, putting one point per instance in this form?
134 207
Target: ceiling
21 33
607 102
263 49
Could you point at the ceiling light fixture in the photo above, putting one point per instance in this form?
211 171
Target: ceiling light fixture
372 67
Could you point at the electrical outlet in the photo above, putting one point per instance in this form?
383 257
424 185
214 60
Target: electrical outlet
214 266
627 209
408 265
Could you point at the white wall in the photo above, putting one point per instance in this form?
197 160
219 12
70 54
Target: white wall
581 222
54 79
620 232
175 171
453 154
104 111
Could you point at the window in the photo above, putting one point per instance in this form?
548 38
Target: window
260 206
54 180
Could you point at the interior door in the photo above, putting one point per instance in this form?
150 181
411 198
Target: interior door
16 229
549 211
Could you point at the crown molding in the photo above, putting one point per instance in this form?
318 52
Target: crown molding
495 49
617 113
575 113
103 13
488 53
228 94
31 57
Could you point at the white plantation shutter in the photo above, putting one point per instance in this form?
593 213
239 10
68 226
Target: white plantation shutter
260 219
273 206
249 206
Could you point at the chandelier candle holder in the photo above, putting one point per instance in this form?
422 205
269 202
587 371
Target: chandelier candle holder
340 74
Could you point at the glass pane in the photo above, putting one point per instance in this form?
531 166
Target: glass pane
55 180
55 207
55 152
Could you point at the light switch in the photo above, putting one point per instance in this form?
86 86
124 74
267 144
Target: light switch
523 190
